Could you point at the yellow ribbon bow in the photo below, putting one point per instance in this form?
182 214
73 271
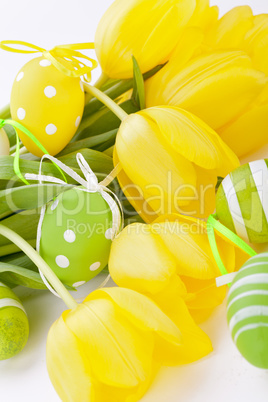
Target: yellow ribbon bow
64 57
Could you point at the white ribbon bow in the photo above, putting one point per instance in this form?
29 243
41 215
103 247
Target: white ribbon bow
91 185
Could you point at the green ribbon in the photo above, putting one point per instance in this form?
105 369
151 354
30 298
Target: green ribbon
212 225
16 164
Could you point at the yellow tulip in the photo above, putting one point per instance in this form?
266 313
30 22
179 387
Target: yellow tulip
147 30
170 260
220 75
109 347
170 161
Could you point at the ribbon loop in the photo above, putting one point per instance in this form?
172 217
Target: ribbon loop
64 57
212 225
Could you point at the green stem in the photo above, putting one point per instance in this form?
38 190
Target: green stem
103 78
41 264
117 110
5 112
116 90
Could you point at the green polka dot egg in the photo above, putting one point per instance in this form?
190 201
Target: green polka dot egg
242 201
48 103
14 326
247 310
76 235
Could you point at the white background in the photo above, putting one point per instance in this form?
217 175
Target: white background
222 376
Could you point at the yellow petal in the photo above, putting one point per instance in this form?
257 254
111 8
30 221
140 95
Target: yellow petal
206 296
204 202
148 30
256 42
189 244
119 354
204 15
248 132
216 87
68 367
192 138
230 31
195 343
140 261
152 164
142 312
189 43
134 194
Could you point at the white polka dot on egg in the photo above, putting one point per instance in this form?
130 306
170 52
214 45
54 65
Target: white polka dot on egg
44 63
77 284
54 205
21 113
77 121
50 91
109 234
69 236
20 76
95 266
62 261
51 129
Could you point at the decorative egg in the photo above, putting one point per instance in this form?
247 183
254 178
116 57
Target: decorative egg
4 143
48 103
76 235
242 201
14 326
247 310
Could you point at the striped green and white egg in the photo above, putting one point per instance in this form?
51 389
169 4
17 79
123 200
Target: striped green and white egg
247 310
242 201
14 326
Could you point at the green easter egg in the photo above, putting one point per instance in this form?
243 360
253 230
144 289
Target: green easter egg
247 310
14 326
76 236
242 201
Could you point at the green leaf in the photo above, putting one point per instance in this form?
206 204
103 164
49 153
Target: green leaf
91 142
23 223
7 171
28 197
21 260
100 163
107 121
138 86
20 276
18 269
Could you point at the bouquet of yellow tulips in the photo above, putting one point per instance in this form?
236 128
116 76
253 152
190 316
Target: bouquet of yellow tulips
182 97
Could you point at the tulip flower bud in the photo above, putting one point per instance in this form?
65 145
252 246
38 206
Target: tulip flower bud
107 348
169 258
146 30
4 143
170 162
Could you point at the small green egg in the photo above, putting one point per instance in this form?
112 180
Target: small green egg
14 326
76 235
247 310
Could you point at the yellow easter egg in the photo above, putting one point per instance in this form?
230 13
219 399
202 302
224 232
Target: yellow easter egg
48 103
